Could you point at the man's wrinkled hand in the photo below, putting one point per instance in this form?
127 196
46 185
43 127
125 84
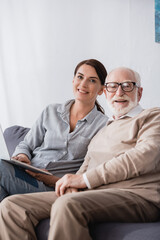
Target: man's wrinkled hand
69 181
71 190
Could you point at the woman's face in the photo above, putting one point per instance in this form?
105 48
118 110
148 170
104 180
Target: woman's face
86 84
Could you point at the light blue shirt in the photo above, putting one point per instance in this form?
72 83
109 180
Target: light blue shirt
50 144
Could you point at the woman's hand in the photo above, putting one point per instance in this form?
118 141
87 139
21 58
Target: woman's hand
48 180
69 181
22 158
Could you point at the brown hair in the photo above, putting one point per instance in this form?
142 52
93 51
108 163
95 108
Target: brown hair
101 72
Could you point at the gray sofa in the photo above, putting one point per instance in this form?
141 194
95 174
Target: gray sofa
99 231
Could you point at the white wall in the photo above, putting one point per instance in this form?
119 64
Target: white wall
41 41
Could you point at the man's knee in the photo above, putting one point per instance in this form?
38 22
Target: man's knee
64 200
68 207
65 203
12 205
6 205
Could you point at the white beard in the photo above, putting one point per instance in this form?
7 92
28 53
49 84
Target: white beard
120 111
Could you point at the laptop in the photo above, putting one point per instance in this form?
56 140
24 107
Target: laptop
4 155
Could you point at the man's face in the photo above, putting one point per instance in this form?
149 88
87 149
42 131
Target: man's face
121 102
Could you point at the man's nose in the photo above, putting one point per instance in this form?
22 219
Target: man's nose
119 91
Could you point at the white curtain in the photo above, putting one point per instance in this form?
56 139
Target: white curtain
41 41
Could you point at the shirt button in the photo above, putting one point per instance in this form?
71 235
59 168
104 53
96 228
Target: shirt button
64 152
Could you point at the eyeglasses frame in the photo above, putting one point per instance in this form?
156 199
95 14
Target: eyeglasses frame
120 84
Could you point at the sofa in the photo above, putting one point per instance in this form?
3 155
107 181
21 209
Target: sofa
99 231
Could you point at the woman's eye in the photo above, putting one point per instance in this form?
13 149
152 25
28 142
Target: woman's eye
92 80
80 77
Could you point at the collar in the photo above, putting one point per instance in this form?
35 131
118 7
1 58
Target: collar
91 115
65 107
132 113
64 110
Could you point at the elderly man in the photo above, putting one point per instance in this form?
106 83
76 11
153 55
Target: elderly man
118 181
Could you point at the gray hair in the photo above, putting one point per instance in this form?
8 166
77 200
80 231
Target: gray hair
137 77
136 74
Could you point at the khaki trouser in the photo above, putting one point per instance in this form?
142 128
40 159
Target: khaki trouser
71 213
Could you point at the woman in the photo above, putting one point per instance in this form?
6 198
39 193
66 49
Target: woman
58 140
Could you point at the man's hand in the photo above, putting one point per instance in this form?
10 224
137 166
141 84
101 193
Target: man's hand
22 158
46 179
71 190
69 181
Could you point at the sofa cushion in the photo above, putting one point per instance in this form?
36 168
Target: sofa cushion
125 231
42 229
111 231
13 135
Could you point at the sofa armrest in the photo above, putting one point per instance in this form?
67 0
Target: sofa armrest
13 136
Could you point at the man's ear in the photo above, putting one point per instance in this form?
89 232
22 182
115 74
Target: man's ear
140 90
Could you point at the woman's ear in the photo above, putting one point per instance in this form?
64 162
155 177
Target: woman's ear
101 91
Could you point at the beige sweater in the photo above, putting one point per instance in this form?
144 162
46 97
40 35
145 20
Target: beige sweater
125 154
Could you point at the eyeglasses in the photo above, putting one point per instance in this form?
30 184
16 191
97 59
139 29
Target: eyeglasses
126 86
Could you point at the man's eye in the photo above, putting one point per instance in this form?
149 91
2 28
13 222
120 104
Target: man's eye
112 85
126 84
